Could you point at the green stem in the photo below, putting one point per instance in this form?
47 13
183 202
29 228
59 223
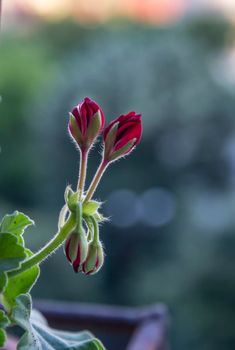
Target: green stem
79 217
49 248
82 172
100 171
96 230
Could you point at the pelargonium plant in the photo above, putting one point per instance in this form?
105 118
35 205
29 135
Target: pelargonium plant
78 232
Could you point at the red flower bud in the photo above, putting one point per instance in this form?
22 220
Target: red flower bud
122 135
76 249
86 122
94 260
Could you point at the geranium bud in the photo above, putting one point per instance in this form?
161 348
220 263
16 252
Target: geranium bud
95 258
85 123
76 249
122 135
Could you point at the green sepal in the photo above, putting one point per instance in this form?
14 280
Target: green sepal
62 216
76 131
100 218
90 208
94 128
109 140
122 151
38 336
20 284
68 193
71 198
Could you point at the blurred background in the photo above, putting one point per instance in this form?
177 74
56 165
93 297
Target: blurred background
172 202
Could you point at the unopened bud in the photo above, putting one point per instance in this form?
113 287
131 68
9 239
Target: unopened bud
76 249
121 136
95 258
86 123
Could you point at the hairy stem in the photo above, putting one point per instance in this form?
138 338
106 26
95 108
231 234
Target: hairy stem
49 248
96 180
96 230
82 172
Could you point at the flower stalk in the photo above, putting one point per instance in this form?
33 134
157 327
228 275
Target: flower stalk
95 182
82 172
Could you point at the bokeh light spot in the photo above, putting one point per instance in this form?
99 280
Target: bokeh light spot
157 207
122 207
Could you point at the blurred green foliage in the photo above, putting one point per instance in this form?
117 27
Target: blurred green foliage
23 66
173 77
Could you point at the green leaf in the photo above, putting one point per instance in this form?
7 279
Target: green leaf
11 252
38 336
3 337
3 281
15 223
20 284
4 320
90 208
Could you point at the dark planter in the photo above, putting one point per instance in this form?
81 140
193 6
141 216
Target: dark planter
120 328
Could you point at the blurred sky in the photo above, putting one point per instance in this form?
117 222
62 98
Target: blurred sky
153 11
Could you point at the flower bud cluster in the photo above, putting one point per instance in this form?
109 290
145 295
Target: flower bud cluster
120 136
84 256
83 248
